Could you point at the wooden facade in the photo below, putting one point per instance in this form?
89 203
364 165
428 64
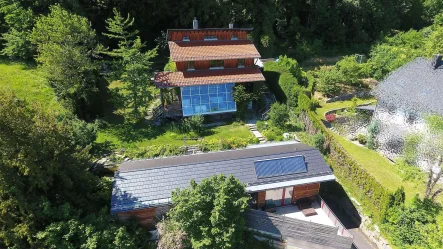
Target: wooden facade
305 191
199 35
204 65
145 216
261 199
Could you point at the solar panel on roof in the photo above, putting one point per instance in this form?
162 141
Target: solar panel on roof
280 166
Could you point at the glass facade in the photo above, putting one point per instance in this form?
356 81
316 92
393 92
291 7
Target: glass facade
207 99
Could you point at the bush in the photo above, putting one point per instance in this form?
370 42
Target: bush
328 80
225 144
278 115
194 123
186 125
351 70
331 117
261 125
361 139
273 134
155 151
318 140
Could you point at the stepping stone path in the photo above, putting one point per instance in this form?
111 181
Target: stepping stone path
253 128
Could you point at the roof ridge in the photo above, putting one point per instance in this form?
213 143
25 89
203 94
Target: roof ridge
194 163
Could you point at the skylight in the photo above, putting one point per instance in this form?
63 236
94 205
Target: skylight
280 166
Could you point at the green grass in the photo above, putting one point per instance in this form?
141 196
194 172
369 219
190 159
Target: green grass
142 135
325 107
27 82
384 171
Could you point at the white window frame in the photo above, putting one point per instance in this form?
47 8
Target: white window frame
234 37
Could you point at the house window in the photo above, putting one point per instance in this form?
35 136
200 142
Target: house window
186 38
234 37
210 38
207 99
241 63
216 64
191 66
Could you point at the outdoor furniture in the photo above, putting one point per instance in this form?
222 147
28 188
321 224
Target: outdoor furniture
305 205
271 208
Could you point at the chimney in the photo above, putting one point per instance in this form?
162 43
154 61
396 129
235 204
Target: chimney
195 23
231 25
437 61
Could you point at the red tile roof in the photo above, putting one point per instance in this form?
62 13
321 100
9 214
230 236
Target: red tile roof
207 77
212 50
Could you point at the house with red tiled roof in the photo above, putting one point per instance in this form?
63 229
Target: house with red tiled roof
209 63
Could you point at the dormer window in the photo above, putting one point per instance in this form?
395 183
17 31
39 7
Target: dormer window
210 38
186 38
234 37
217 64
191 66
241 63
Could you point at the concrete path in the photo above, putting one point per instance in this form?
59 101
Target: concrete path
360 240
253 128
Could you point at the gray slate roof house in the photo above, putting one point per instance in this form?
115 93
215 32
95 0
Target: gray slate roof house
148 183
416 86
302 234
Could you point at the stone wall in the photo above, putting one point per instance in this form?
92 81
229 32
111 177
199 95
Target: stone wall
362 94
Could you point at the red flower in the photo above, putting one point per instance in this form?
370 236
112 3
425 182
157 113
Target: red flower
331 117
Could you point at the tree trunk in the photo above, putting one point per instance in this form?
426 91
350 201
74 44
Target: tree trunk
436 194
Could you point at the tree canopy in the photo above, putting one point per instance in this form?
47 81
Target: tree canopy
211 213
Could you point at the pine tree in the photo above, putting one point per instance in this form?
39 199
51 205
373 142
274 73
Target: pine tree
131 66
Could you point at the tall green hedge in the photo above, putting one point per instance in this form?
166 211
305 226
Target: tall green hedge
373 196
286 80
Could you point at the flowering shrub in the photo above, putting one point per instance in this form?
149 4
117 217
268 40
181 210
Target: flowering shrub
331 117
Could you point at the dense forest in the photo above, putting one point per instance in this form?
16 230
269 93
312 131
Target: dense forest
48 196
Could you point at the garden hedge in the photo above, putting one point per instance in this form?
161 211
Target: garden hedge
375 197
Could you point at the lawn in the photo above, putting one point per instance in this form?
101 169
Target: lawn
142 135
384 171
27 82
340 104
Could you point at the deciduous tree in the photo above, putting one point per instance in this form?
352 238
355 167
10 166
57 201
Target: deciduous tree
211 212
66 48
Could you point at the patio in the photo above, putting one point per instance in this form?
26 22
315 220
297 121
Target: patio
293 211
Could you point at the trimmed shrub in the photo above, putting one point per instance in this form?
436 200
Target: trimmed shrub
285 79
374 197
304 102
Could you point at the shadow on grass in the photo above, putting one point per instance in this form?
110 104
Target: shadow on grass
129 133
25 65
